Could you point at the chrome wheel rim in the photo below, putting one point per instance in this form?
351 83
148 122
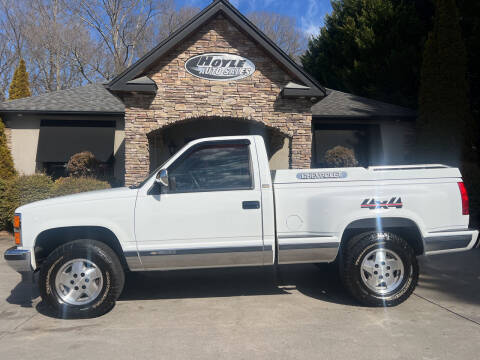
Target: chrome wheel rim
382 271
79 282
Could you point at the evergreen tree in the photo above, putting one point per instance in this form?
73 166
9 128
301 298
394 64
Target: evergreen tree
371 48
20 87
444 110
7 169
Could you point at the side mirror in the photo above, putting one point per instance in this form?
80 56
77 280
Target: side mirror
162 177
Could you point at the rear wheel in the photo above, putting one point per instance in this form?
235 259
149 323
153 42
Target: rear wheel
82 278
379 269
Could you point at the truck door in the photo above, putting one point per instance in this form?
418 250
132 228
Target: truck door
209 215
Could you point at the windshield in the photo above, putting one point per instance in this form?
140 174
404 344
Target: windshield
137 186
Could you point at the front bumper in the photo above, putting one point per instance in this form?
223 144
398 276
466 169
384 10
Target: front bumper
450 241
19 260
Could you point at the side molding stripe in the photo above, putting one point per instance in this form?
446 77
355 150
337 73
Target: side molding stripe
436 243
327 245
200 251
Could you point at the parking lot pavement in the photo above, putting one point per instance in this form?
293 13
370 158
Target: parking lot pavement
297 311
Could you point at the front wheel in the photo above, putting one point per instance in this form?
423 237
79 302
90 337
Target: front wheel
379 269
82 278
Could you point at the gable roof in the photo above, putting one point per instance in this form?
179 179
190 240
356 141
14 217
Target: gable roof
122 82
92 98
340 104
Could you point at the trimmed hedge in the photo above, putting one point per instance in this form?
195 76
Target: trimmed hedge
72 185
25 189
340 156
83 164
22 190
4 208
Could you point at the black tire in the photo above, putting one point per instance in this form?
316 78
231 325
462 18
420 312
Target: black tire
106 261
350 268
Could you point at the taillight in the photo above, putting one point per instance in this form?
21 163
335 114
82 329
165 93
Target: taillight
17 224
463 193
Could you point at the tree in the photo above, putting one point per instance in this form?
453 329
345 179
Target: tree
281 30
470 22
120 24
55 40
370 48
20 87
7 170
444 110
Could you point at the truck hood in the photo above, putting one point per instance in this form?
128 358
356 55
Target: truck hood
90 196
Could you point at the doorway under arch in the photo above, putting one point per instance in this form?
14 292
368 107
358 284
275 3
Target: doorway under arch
164 142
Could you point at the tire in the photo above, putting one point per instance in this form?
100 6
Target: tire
364 273
62 279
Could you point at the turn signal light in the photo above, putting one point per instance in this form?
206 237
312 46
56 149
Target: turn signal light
16 229
16 221
464 194
18 239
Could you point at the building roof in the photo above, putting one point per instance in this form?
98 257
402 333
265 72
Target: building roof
92 98
340 104
122 82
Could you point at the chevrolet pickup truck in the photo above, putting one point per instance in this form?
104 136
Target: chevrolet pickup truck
217 204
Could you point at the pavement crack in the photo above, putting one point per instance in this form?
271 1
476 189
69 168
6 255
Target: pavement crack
447 309
18 325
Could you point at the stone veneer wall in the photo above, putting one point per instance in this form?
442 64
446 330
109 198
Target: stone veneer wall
182 96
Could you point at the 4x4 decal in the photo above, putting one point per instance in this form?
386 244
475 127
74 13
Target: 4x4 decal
385 204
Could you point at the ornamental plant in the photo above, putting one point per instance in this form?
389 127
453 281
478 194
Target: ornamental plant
340 156
83 164
7 170
20 86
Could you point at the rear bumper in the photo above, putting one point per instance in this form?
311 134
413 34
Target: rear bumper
450 241
18 259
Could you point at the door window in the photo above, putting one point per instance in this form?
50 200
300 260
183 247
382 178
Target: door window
213 167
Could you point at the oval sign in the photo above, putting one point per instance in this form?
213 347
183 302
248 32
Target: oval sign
219 66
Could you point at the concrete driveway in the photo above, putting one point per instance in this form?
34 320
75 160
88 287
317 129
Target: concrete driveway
297 312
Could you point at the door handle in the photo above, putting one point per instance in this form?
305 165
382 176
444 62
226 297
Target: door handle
251 205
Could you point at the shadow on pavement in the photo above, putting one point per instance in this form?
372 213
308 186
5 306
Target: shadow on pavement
24 292
456 275
320 282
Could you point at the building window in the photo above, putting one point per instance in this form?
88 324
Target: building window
55 169
212 168
363 139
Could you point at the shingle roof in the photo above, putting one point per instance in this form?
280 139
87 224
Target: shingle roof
338 103
89 98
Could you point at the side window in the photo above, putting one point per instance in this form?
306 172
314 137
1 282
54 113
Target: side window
212 167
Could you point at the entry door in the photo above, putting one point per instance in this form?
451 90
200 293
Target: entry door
209 216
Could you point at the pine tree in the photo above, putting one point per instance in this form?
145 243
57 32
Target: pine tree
20 87
444 110
371 48
7 170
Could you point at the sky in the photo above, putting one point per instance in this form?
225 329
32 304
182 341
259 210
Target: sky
308 13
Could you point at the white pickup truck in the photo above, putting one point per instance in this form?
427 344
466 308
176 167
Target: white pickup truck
216 204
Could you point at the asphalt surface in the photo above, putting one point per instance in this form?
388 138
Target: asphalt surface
295 312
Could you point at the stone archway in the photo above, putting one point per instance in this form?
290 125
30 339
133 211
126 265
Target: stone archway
165 141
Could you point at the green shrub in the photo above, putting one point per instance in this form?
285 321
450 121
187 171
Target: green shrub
83 164
7 170
22 190
340 156
73 185
471 177
4 208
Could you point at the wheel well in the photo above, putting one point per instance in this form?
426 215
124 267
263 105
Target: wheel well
50 239
405 228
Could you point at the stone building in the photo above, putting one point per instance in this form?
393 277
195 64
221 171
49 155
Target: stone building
217 75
